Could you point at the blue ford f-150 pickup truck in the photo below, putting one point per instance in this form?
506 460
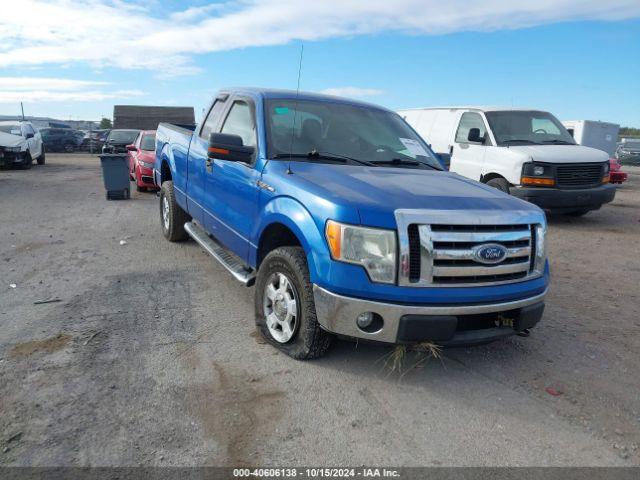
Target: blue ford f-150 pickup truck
347 224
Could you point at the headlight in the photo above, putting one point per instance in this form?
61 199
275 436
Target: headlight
146 164
537 174
540 246
372 248
605 173
13 149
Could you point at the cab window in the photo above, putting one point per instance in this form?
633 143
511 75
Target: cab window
239 121
212 119
468 121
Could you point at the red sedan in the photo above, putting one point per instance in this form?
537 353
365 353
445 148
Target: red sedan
616 175
142 156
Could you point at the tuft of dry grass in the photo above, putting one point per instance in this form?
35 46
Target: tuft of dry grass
396 360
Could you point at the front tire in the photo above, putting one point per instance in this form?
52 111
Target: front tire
499 183
41 158
172 216
26 164
285 308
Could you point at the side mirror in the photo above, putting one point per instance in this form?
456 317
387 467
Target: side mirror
29 135
131 148
229 147
474 136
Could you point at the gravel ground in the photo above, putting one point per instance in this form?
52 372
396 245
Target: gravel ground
150 356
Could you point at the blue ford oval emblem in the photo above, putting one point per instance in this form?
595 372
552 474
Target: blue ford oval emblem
490 253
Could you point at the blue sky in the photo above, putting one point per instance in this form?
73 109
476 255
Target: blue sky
582 68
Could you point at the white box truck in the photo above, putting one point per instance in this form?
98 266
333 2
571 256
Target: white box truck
591 133
527 153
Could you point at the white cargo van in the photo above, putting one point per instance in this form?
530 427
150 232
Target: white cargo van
527 153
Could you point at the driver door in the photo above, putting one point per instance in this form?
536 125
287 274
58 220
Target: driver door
467 157
34 141
231 196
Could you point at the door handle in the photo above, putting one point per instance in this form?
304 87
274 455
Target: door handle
450 149
209 164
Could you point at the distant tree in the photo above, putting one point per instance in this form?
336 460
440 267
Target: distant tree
629 132
106 123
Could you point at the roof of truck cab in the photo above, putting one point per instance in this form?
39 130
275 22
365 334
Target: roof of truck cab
480 108
272 93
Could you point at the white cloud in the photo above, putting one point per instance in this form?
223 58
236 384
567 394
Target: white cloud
105 33
34 83
38 89
352 92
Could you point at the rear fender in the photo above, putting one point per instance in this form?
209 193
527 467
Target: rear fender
165 157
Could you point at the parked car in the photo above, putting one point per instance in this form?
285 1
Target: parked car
344 219
615 172
527 153
142 157
117 140
61 139
20 144
93 140
628 152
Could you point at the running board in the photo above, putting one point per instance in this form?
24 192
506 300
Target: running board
229 260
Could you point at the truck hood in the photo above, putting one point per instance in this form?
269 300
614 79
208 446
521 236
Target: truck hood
560 153
8 140
376 192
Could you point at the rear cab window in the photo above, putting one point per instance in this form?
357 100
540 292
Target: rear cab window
213 118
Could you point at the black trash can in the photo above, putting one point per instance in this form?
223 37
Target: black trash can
115 173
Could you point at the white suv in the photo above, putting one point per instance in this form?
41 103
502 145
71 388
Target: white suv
20 144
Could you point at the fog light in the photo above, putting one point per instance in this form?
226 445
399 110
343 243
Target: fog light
365 319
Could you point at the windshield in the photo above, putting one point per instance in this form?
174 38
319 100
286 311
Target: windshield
123 136
148 142
11 128
528 127
343 130
631 145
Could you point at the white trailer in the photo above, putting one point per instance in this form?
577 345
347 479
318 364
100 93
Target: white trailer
591 133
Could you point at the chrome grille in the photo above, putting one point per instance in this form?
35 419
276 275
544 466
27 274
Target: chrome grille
579 175
447 244
452 257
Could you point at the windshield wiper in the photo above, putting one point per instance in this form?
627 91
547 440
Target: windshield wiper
314 154
521 140
558 142
401 161
335 156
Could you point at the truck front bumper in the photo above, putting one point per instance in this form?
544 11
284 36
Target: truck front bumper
559 200
447 325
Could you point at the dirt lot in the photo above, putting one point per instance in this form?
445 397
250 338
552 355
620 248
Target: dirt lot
150 356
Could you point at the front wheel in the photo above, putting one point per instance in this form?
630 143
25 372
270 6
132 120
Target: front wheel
26 163
285 308
41 158
172 216
499 183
